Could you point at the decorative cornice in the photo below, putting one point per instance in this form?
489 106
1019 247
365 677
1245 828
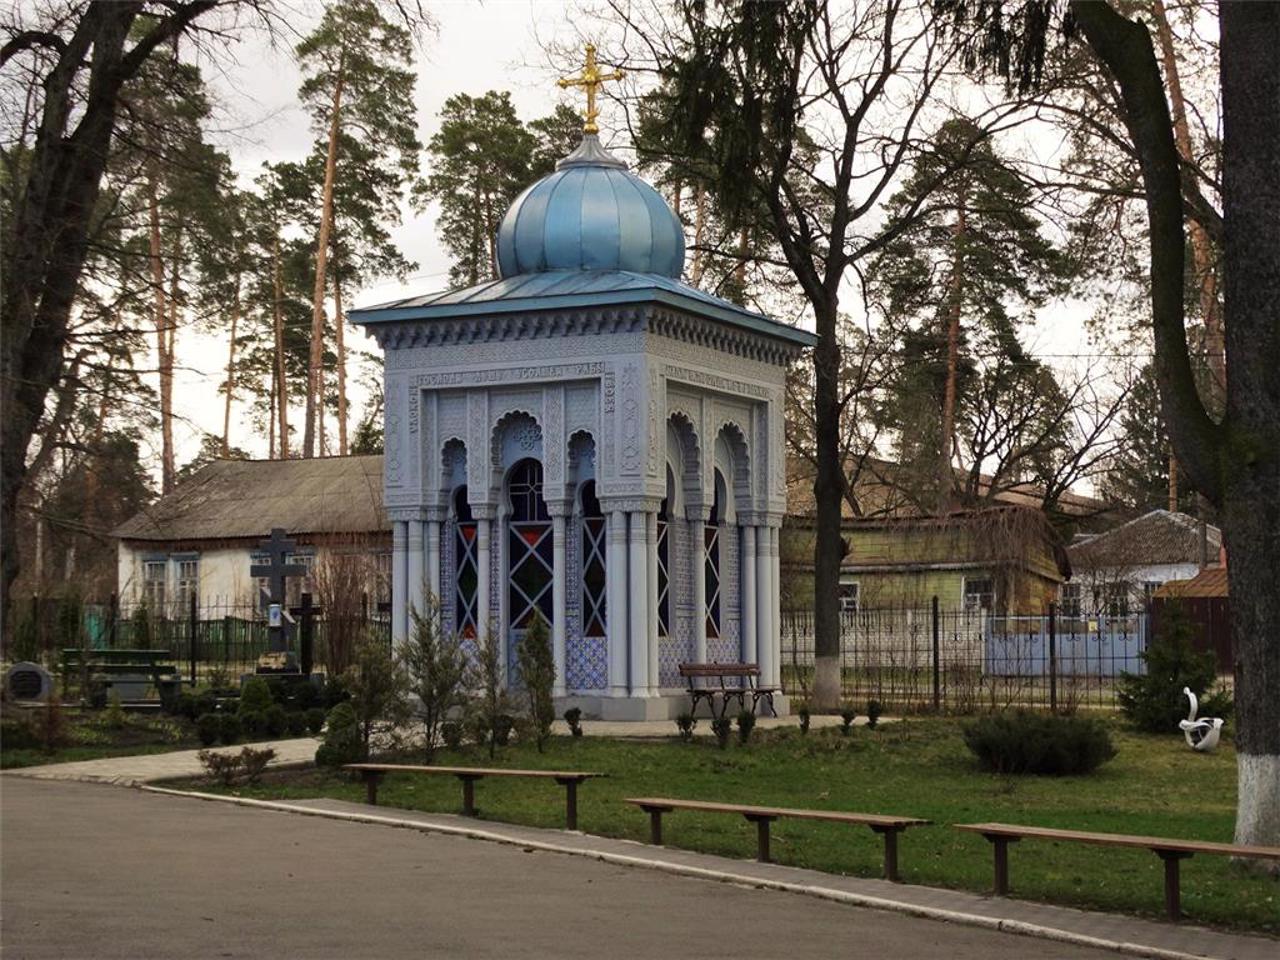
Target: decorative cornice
652 319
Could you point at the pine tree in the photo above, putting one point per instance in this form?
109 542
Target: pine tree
482 157
974 249
359 91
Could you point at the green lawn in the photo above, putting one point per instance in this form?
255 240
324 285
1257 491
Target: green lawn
1155 785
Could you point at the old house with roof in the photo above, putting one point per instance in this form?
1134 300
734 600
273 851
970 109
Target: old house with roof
1116 572
201 539
998 558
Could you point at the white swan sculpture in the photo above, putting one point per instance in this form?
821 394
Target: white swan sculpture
1202 735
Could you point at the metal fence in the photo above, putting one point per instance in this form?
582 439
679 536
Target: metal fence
200 640
966 660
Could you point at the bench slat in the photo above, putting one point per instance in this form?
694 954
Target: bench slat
841 816
1120 840
477 771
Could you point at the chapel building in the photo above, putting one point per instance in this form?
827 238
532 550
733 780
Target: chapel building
590 440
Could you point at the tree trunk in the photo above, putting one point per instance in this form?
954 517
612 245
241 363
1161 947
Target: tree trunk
1250 69
828 494
1235 465
315 372
699 228
282 384
231 371
47 233
955 302
171 336
160 317
339 320
1201 248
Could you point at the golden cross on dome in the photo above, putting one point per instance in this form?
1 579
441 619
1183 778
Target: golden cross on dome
591 79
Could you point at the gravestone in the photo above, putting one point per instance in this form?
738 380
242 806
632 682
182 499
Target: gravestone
28 681
280 658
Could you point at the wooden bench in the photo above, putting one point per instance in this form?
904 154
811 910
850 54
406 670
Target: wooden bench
109 667
1170 851
372 773
887 826
747 674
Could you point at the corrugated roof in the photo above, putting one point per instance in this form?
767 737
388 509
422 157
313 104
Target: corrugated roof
1208 583
563 289
1155 537
230 499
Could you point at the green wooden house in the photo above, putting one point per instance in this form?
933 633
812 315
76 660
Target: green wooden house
1001 558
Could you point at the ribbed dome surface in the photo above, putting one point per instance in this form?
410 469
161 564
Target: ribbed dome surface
591 214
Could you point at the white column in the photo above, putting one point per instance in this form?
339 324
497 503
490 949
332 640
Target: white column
749 636
415 572
774 640
558 591
651 551
764 604
399 582
433 560
698 554
638 604
482 579
616 600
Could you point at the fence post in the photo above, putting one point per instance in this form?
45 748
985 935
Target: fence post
937 660
1053 656
113 613
193 623
305 638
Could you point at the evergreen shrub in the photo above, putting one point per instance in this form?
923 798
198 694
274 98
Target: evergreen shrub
1024 742
1153 701
342 743
208 728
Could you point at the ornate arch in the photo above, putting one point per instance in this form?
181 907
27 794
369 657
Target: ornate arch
739 473
690 473
519 427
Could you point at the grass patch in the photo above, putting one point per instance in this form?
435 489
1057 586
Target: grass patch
918 768
91 735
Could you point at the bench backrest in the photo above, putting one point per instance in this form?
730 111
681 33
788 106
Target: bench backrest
719 670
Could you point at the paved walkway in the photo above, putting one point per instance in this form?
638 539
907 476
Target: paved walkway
1083 930
151 875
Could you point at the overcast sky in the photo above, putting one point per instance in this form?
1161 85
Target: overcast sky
479 46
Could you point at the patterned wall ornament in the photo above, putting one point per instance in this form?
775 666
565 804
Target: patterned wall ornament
393 443
630 388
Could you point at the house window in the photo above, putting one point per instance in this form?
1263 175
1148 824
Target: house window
1115 599
1071 601
848 594
295 587
187 584
979 593
1149 587
155 574
261 585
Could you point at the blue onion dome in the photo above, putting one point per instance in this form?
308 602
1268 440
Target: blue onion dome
591 214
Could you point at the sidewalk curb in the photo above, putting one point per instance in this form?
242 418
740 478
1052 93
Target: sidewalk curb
825 893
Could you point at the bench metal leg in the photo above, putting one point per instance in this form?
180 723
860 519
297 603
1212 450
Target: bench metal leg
469 795
762 836
570 785
1172 882
890 835
655 824
371 780
1001 845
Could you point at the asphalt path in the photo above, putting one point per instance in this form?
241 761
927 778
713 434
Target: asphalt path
100 871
